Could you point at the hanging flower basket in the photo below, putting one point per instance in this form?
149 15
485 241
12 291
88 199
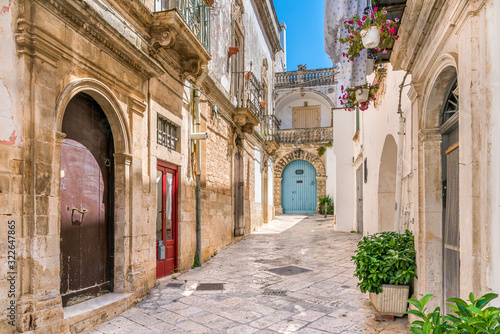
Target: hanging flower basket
362 94
349 99
370 37
372 31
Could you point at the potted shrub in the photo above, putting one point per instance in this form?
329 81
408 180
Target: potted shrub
385 265
371 31
473 317
349 98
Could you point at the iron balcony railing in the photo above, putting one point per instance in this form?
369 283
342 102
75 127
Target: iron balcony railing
301 136
195 13
247 90
319 77
270 127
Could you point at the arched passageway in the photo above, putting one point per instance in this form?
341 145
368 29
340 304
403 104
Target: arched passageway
387 185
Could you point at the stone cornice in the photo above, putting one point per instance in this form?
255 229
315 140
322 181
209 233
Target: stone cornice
89 23
271 28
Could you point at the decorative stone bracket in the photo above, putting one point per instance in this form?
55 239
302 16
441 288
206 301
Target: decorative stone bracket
246 119
173 39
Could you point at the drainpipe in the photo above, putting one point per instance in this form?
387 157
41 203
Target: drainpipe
399 166
196 95
197 137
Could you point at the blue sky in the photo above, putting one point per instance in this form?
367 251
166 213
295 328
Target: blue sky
305 38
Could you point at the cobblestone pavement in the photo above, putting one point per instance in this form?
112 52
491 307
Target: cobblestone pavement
323 299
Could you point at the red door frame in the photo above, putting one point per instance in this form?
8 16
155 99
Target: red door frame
161 269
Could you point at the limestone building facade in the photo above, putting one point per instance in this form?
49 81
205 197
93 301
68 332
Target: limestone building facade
432 167
133 141
305 163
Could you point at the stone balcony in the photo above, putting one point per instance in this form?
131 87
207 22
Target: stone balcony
304 77
305 136
248 94
180 33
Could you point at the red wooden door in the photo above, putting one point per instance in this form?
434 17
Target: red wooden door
166 218
86 205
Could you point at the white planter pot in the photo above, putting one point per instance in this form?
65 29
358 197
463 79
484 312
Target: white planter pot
362 94
370 37
370 64
393 300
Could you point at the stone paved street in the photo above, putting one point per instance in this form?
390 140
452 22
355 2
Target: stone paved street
323 299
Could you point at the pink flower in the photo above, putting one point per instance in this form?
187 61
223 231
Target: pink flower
375 9
396 19
385 12
371 15
377 49
385 51
350 22
397 37
360 23
335 42
363 18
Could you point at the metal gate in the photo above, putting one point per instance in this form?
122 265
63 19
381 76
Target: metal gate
86 202
359 197
299 188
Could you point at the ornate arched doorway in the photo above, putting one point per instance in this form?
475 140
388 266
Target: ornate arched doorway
299 192
87 188
299 154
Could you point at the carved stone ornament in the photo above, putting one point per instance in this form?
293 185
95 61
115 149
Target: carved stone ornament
163 38
192 66
240 120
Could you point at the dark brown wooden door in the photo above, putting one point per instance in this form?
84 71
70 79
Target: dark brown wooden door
239 195
166 218
86 202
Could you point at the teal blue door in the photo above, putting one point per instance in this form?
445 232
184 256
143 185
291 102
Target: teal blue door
298 188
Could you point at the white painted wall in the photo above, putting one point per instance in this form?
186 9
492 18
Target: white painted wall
330 172
284 108
376 123
344 193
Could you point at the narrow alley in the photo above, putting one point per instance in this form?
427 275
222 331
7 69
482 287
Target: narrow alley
292 276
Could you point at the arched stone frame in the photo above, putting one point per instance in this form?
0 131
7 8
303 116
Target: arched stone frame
284 161
123 158
387 184
323 96
429 226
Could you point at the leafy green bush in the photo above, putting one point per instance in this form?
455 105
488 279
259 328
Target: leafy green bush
325 201
470 318
385 258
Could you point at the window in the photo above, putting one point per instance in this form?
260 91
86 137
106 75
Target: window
306 117
168 133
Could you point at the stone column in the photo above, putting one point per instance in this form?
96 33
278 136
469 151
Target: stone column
428 231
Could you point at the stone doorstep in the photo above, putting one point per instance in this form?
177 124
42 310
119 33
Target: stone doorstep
109 303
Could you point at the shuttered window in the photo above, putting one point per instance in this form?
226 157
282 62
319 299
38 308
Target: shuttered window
306 117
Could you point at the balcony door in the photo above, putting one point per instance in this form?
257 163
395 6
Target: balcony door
306 117
166 218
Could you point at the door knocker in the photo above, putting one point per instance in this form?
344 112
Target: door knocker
78 222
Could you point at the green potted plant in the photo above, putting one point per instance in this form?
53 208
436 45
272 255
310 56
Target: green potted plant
325 202
471 318
385 265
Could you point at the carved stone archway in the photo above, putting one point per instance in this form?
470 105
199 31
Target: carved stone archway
298 155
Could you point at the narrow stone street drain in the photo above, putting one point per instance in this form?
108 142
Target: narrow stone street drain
268 292
288 270
210 286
